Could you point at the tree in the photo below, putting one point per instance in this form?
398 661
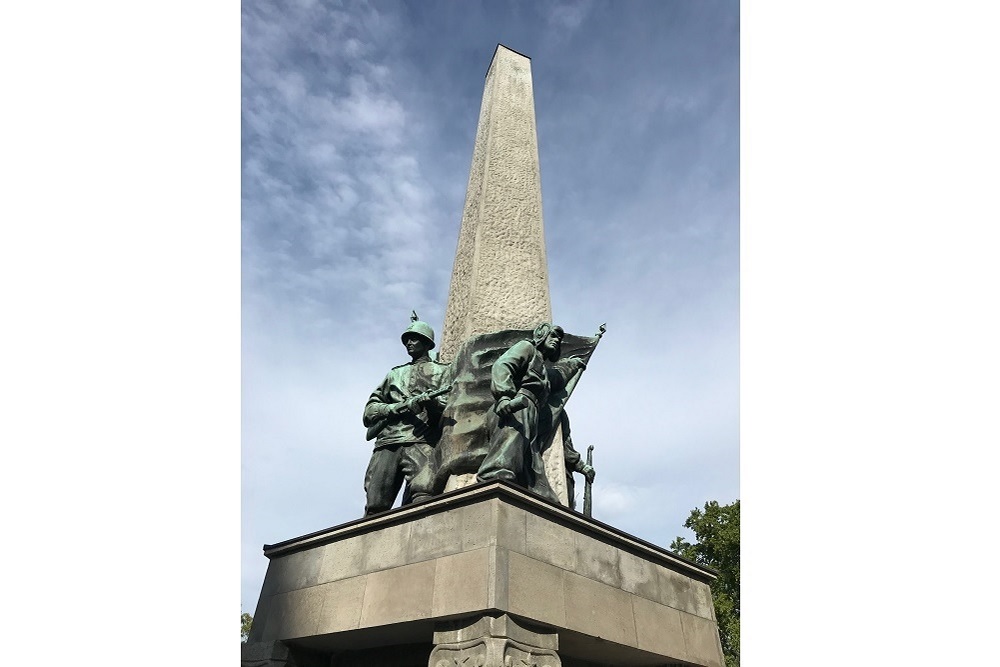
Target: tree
717 529
246 621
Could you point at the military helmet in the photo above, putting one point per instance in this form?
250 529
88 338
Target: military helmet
420 328
542 332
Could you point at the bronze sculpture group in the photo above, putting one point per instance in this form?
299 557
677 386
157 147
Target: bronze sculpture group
529 383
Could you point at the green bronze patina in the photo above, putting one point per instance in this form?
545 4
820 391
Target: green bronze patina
493 412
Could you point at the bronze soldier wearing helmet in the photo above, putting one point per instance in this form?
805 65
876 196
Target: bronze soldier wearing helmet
403 414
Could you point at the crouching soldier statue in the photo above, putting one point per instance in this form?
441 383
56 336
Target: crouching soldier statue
403 415
520 422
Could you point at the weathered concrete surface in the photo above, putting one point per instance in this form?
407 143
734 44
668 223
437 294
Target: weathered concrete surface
500 278
277 654
485 550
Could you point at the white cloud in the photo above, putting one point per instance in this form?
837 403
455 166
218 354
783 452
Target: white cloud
569 15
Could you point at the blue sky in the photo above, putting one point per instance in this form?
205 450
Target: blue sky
358 122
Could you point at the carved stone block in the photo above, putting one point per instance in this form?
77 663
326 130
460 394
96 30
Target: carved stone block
493 641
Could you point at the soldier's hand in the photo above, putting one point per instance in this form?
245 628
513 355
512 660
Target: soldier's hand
589 472
409 406
503 407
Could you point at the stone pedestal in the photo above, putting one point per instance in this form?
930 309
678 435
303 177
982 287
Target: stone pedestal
279 654
488 571
266 654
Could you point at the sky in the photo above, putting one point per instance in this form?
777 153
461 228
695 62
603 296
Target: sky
358 122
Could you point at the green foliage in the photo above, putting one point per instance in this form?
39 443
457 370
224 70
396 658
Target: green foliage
717 529
246 622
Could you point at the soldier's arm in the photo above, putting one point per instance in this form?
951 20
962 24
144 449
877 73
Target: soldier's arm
379 406
509 369
575 462
507 374
571 455
438 403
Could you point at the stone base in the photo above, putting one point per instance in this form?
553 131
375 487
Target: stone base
279 654
485 575
265 654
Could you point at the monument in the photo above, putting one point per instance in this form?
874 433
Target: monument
484 564
500 277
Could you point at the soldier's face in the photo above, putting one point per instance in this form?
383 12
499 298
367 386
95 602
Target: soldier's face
552 342
416 346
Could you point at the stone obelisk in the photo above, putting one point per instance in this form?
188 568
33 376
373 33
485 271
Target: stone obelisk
500 279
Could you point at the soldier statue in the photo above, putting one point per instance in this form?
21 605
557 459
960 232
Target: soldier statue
403 415
521 383
574 462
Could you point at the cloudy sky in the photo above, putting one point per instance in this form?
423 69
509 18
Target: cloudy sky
358 122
